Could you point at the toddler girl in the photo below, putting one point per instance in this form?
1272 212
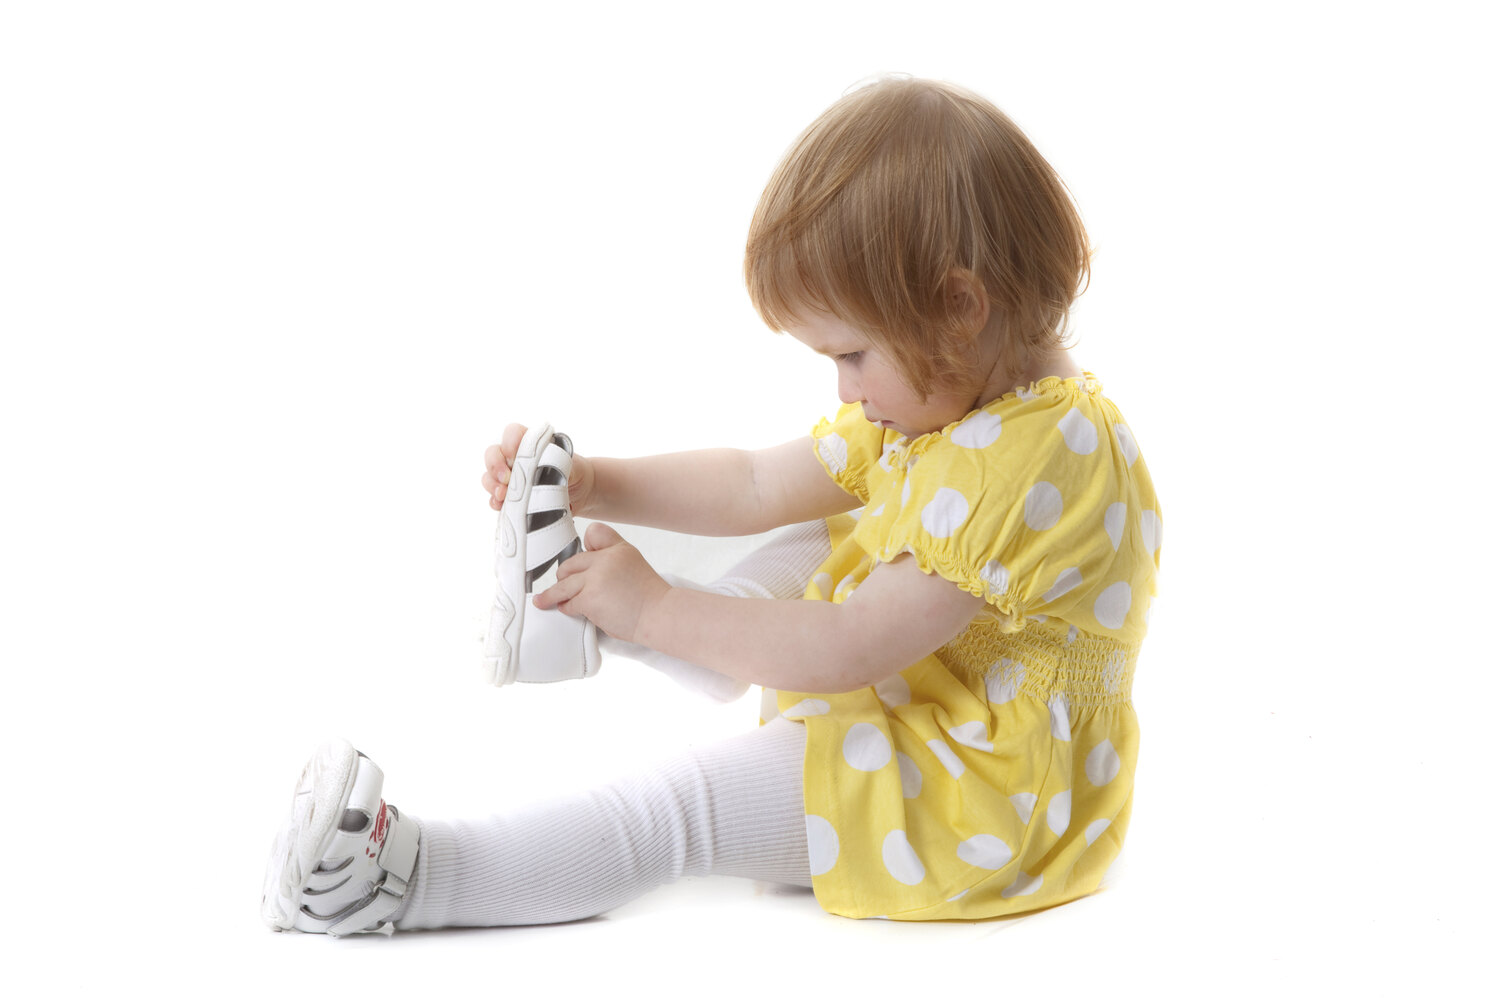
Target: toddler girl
954 738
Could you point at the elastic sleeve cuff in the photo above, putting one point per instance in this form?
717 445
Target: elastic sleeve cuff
833 452
991 584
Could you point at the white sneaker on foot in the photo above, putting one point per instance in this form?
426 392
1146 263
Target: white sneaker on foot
535 534
344 860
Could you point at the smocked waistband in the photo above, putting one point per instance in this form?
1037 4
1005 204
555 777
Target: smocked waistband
1043 662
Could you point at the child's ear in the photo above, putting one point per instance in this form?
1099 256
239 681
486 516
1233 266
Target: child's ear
966 299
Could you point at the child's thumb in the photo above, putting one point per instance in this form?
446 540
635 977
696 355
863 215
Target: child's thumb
601 536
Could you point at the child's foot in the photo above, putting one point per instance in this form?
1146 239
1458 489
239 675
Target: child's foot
534 535
344 859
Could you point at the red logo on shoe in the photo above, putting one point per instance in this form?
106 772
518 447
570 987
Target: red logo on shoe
378 832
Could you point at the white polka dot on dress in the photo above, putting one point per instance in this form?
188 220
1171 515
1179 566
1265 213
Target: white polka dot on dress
946 757
1114 523
1024 885
945 513
822 845
900 860
1043 506
1061 727
979 430
1025 803
1066 581
807 707
985 851
894 692
866 748
1128 447
1114 670
845 588
1004 681
911 776
996 575
1102 764
1079 432
1151 530
973 734
835 452
1092 831
1112 605
1060 812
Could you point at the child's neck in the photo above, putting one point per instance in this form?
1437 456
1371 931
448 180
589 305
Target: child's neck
1058 364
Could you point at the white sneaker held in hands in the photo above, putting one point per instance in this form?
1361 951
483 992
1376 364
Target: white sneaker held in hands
534 535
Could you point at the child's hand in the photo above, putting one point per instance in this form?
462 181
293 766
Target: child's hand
498 459
610 584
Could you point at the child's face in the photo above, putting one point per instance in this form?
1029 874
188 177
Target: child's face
868 378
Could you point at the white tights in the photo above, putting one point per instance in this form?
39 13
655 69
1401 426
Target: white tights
730 809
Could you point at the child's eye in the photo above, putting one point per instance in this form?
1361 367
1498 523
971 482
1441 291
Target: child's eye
852 356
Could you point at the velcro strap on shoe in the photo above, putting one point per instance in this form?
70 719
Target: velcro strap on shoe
557 457
398 855
398 861
546 497
546 544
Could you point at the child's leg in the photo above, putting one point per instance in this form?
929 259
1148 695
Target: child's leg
779 569
730 809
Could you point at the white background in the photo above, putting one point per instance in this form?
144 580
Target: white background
272 275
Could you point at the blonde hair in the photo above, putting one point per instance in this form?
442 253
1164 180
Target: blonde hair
895 188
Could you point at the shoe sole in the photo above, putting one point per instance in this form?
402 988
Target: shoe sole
507 619
322 795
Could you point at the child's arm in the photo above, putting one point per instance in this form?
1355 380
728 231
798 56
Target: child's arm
896 617
717 492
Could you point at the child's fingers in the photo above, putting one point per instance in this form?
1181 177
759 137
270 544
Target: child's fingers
601 536
498 459
574 564
494 487
557 595
510 441
503 455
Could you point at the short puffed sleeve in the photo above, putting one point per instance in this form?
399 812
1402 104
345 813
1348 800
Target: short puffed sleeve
1039 505
849 446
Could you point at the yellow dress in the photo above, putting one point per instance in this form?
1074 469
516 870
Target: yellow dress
995 775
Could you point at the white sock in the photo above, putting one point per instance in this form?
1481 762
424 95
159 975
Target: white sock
730 809
778 570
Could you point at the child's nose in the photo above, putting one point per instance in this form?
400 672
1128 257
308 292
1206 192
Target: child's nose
849 391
